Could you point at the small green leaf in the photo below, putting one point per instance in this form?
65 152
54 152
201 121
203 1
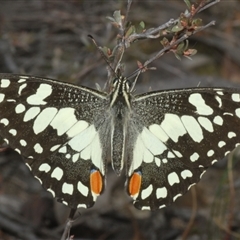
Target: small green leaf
177 28
164 42
130 31
180 48
142 25
117 16
197 22
188 4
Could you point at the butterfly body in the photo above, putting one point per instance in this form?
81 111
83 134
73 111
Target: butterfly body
164 140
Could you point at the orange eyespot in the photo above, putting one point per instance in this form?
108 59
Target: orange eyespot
96 182
135 184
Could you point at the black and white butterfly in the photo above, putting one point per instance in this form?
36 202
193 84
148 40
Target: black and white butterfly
163 140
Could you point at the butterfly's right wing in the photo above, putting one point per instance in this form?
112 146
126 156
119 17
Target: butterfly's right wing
61 131
174 136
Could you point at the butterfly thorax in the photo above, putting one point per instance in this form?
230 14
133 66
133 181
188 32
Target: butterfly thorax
120 107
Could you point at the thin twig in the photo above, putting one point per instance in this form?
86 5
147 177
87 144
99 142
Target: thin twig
193 215
208 5
66 233
169 47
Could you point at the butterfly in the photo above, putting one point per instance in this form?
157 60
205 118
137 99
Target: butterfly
163 140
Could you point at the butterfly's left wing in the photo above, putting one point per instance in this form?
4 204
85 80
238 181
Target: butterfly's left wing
174 136
61 130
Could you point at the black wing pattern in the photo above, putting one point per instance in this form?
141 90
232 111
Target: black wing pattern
177 135
55 127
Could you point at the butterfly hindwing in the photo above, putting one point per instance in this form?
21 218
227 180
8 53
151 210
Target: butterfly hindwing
57 130
180 133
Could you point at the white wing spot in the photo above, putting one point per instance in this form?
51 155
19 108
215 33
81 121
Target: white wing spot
43 91
67 188
43 119
221 144
44 167
214 161
219 101
77 128
81 206
85 154
161 192
54 148
38 148
145 208
158 132
177 196
64 120
20 108
218 120
231 134
236 97
173 178
210 153
57 173
186 173
52 192
13 132
170 155
227 113
157 161
202 108
2 96
165 160
29 167
162 206
206 123
178 154
68 156
11 100
21 88
173 126
4 121
226 153
147 192
194 157
147 156
202 173
75 157
193 128
237 112
38 178
31 113
220 93
82 189
191 185
23 142
152 143
63 149
145 140
5 83
21 80
17 150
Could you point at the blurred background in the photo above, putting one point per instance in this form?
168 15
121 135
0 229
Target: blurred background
49 39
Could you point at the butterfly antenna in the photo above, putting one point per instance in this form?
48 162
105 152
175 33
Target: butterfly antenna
136 75
102 55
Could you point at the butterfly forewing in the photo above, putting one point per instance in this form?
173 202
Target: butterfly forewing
57 128
179 134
